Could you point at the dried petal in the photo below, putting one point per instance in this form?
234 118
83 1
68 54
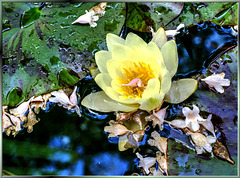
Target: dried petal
159 142
45 98
217 81
177 123
162 161
123 116
21 109
192 117
201 141
6 122
73 97
146 162
157 118
221 151
208 125
100 8
61 98
16 121
31 121
115 129
155 172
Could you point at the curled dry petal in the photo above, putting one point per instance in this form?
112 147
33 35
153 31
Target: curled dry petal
155 172
159 142
21 109
162 161
61 98
177 123
201 141
73 96
16 121
123 116
6 122
31 121
46 98
157 118
208 125
217 81
115 129
146 162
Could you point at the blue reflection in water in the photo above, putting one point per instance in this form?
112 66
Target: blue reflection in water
108 164
60 141
61 156
76 170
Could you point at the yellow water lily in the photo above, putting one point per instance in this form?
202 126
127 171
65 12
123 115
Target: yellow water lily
138 75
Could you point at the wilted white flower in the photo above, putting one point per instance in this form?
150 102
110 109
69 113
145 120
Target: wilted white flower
92 16
192 117
146 162
202 142
157 118
115 129
21 109
159 142
207 123
217 81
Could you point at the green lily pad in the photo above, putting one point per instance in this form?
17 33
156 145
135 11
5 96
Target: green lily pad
40 43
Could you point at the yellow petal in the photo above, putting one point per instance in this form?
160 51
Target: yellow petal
166 81
180 90
155 52
153 87
151 103
99 101
114 68
113 39
103 80
117 97
170 56
160 37
134 40
101 58
121 52
122 142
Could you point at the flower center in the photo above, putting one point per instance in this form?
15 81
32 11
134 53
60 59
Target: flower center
136 80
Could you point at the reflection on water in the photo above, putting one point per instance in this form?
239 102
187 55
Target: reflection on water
108 164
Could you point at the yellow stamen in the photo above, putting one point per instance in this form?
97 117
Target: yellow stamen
139 70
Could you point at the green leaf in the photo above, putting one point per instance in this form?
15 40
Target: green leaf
49 44
180 90
68 78
15 96
30 16
99 101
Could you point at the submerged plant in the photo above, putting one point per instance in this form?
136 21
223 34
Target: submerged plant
136 75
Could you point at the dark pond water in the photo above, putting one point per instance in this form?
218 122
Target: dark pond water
63 143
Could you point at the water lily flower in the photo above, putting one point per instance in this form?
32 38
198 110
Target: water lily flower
136 75
192 117
217 81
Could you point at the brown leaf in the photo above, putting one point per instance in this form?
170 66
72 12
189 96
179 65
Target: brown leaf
221 151
123 116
